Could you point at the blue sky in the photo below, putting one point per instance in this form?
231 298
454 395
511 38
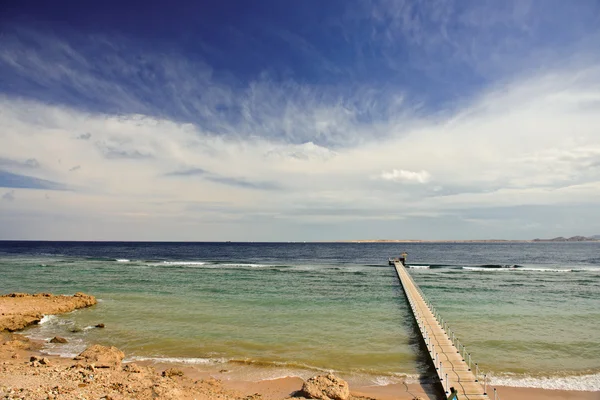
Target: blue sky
309 120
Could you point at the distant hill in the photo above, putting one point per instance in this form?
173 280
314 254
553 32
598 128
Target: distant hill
571 239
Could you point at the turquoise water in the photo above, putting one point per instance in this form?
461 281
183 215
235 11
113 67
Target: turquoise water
264 311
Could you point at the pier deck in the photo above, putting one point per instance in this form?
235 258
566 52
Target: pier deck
444 350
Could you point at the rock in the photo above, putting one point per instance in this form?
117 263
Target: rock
30 308
172 372
17 344
132 367
418 398
45 361
100 326
102 356
12 323
326 387
58 339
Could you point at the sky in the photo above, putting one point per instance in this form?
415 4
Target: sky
299 121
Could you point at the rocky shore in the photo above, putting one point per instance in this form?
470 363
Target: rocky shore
20 310
99 371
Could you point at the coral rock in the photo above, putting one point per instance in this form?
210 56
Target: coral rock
326 387
132 368
172 372
102 356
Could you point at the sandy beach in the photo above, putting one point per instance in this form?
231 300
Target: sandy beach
99 372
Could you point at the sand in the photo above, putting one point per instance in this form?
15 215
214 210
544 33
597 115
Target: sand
26 373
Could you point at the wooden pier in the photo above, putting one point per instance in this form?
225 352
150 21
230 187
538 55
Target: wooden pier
453 365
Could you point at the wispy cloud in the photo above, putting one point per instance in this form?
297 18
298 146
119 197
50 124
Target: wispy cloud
187 172
505 149
9 196
84 136
28 163
243 183
128 81
225 180
406 176
116 152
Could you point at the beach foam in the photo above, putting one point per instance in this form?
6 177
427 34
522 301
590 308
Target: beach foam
243 265
580 382
122 260
182 263
46 318
518 269
179 360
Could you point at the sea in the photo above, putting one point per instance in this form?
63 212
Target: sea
529 313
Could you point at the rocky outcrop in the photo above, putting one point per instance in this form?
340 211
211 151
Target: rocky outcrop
325 387
171 372
62 379
39 361
58 339
133 368
102 356
19 310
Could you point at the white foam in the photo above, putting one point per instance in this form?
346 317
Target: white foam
487 269
418 266
179 360
122 260
546 269
517 269
395 378
384 380
242 265
589 383
183 263
46 318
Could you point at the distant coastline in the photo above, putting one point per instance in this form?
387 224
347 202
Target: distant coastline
560 239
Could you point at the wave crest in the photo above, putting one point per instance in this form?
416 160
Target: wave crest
589 383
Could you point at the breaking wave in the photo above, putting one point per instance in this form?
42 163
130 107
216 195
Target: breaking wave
589 382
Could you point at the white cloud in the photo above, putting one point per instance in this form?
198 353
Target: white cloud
406 176
301 155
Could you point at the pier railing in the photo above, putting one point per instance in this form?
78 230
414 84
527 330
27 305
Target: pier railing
461 349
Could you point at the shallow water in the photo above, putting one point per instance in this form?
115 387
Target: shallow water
300 307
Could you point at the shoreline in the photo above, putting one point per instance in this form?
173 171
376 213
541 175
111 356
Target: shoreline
221 386
198 381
